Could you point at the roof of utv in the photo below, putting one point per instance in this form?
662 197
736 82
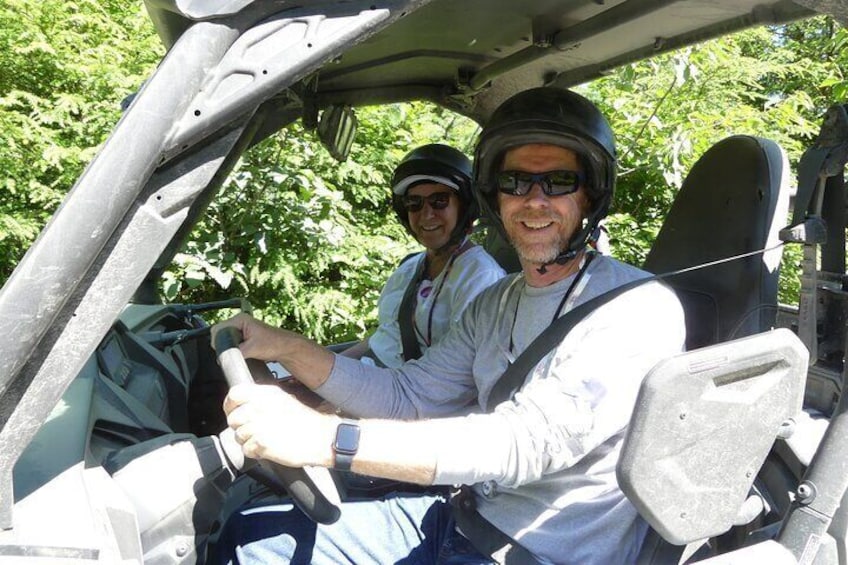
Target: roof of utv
470 55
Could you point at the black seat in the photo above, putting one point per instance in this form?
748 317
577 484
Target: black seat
734 201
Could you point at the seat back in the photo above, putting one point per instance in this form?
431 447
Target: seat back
706 420
734 201
703 425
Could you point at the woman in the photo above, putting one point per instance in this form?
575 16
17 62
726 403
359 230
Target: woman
431 195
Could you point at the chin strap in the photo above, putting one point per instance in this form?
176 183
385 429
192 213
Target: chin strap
461 232
582 238
459 243
561 259
577 243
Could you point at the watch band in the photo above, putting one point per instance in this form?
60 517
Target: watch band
346 444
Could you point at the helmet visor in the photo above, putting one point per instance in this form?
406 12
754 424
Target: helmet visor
403 185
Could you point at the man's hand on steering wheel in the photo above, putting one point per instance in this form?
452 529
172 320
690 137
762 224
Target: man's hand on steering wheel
267 424
259 340
273 425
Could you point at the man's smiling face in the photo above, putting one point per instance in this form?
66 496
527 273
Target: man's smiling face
540 226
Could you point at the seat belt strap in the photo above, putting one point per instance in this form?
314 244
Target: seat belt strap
483 535
406 313
809 170
548 340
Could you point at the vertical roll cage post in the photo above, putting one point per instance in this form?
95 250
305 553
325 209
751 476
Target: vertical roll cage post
820 220
169 153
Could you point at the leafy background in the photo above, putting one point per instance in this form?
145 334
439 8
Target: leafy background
309 242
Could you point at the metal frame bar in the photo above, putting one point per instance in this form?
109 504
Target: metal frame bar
787 13
120 217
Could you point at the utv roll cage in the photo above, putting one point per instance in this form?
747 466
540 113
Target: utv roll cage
236 71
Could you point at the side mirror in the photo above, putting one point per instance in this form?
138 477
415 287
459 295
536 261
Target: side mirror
336 130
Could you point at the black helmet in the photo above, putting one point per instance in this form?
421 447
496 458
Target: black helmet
442 164
557 117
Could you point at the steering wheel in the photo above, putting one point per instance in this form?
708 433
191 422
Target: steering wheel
319 503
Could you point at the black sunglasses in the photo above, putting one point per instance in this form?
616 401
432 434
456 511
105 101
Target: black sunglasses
437 201
553 183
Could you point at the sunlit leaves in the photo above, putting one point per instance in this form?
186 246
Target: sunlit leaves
64 68
308 241
769 82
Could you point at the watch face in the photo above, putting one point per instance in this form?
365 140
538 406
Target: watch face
347 438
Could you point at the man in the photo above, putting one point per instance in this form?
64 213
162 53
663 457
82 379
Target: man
541 463
432 198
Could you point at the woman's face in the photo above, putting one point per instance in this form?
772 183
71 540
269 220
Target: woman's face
433 223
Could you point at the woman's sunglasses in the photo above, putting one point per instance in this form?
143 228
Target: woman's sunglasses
553 183
437 201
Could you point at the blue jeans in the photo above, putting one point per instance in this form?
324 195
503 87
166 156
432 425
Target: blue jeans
403 529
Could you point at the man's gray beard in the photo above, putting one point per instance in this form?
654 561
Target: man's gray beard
533 254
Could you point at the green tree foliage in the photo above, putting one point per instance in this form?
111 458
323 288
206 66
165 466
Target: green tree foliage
309 241
305 239
64 69
668 111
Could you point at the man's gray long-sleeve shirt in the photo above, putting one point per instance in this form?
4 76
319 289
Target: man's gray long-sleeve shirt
543 463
